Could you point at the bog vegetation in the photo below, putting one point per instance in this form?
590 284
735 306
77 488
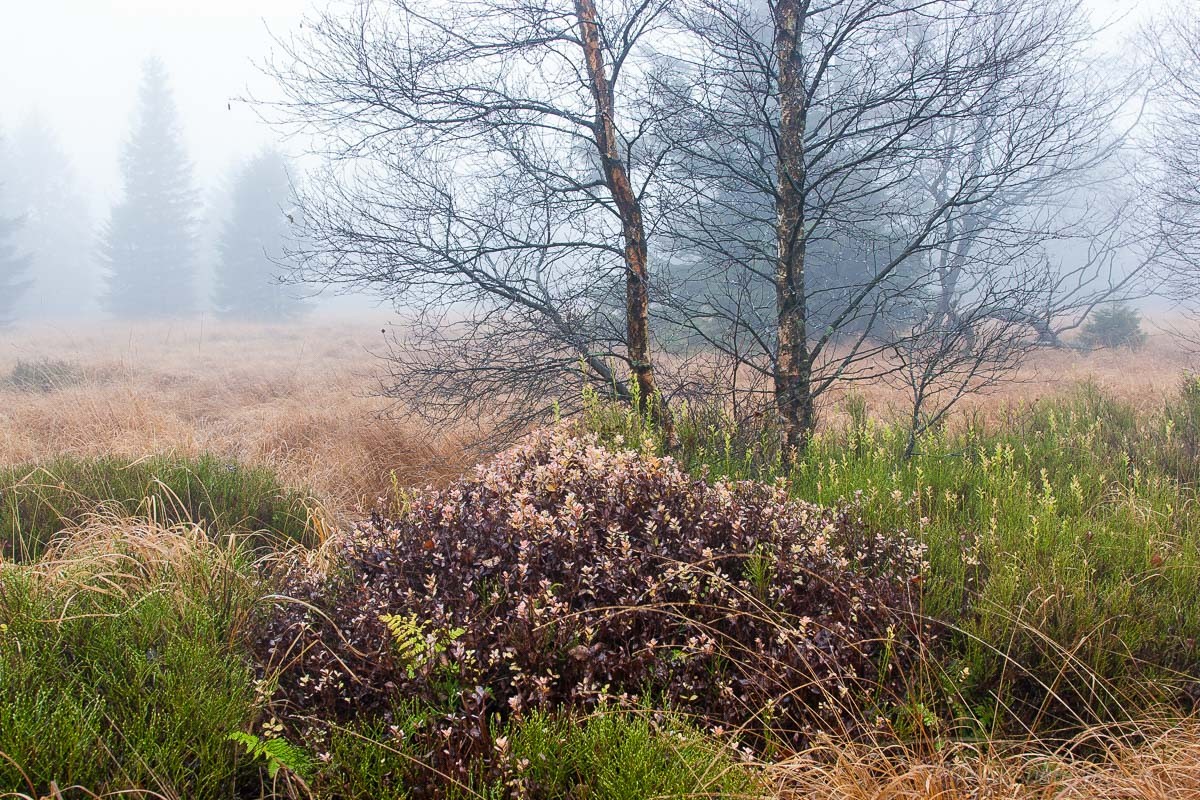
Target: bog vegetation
1011 612
710 292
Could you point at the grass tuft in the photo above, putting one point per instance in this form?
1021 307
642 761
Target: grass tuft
38 503
607 755
120 667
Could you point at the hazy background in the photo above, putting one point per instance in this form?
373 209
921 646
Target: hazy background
73 66
77 63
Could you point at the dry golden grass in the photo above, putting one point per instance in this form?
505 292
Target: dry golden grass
295 398
1144 378
1149 761
127 557
300 399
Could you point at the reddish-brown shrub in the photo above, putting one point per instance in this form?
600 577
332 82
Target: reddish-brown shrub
564 574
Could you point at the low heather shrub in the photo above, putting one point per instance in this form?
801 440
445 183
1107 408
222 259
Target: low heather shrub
564 575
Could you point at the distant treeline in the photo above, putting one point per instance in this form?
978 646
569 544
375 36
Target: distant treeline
146 259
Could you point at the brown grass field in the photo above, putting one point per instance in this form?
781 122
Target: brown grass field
297 399
300 400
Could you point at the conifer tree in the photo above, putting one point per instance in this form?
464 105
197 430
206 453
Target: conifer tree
13 266
149 242
56 231
254 244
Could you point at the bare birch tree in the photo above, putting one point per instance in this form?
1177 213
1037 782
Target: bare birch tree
485 170
1175 139
854 159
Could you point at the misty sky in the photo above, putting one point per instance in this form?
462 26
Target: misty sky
76 63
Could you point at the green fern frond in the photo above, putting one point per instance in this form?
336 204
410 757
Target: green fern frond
409 640
414 643
278 752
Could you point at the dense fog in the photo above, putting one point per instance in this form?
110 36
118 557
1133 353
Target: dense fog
70 76
78 78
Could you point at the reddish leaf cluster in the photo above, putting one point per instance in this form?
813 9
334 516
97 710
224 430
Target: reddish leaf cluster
564 574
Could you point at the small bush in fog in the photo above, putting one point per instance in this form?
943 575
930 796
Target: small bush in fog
44 375
564 575
1113 326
